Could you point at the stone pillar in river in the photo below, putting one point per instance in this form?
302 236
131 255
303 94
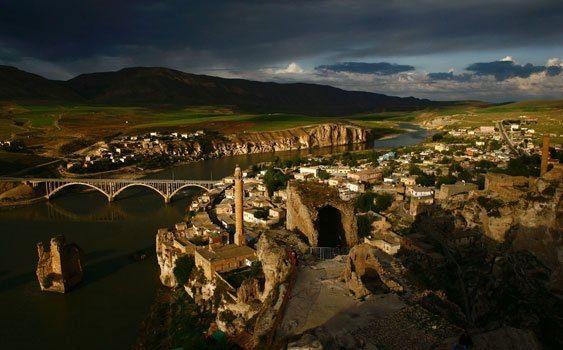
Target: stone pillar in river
240 239
60 265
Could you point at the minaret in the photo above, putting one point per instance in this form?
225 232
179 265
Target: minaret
544 154
240 239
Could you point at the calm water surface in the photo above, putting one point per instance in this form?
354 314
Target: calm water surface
104 312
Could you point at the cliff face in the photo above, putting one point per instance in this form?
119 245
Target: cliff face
322 135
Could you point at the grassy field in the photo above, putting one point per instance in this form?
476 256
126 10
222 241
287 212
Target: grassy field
50 126
548 113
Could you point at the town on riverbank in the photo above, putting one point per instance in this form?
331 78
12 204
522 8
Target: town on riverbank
373 249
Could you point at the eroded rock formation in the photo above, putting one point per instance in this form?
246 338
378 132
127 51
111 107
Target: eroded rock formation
60 265
369 270
306 200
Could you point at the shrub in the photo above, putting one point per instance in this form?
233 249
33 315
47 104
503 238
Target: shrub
323 174
364 226
275 180
183 269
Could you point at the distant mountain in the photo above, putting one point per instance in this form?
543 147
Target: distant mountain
18 85
153 86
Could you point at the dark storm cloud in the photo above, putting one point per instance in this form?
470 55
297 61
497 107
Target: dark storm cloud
81 35
503 70
382 68
464 77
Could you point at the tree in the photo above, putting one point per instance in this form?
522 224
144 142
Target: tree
415 170
373 201
365 201
382 202
524 165
323 174
364 226
446 180
183 269
437 136
425 180
275 180
261 213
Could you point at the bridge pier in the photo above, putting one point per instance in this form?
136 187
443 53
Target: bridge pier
167 199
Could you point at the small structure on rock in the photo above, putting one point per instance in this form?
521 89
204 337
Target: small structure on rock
60 265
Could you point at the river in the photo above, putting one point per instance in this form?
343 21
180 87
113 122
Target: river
103 312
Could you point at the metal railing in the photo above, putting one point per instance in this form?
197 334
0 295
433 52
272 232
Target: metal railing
325 253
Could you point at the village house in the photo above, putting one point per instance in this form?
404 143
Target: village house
368 175
420 191
223 258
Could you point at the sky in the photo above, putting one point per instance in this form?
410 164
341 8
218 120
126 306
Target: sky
493 50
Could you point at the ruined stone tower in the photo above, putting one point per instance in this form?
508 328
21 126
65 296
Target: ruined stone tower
59 267
239 197
544 155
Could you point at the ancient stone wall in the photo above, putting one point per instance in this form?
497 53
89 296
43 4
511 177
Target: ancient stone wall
304 200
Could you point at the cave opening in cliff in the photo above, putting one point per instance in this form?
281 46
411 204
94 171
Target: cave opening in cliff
330 228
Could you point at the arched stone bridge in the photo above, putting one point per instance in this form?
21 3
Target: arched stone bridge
112 187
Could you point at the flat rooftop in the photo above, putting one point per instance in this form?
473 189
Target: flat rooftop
226 252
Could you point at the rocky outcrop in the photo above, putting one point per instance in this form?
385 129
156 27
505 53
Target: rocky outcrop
322 135
368 270
166 255
60 265
304 200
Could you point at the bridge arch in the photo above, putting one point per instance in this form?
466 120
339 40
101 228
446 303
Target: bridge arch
187 185
138 184
50 194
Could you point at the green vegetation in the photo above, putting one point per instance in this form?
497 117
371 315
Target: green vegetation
261 213
373 201
275 180
183 268
323 174
364 226
523 165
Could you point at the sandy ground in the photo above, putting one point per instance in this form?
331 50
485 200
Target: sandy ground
320 300
322 309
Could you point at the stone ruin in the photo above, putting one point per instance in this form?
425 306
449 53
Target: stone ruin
320 215
60 265
368 270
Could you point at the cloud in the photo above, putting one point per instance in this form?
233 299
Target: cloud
292 68
507 68
437 85
382 68
464 77
246 34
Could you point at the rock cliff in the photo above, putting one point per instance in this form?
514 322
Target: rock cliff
322 135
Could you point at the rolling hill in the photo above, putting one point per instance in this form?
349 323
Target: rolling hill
154 86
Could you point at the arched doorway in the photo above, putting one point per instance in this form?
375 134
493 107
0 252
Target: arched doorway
330 228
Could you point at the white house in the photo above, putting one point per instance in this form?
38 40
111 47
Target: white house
420 191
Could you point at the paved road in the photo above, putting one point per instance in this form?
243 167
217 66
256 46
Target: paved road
500 126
